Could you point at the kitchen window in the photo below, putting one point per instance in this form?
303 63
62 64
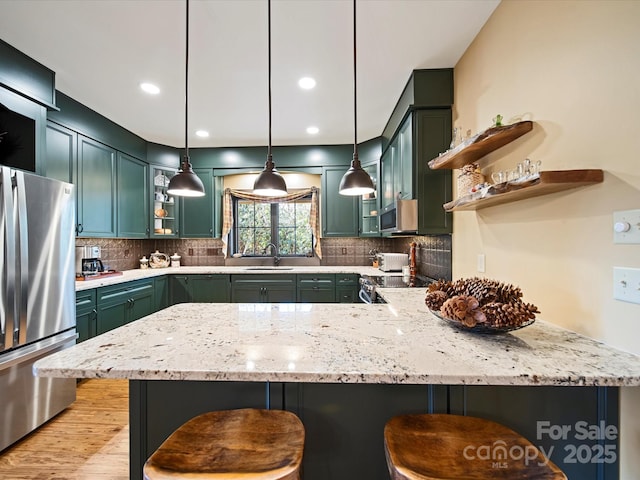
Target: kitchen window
251 223
286 225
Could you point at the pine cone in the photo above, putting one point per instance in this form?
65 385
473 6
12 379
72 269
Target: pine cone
465 309
434 300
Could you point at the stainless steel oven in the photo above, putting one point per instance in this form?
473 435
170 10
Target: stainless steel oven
370 283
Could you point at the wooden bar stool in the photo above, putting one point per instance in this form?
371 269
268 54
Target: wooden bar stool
251 444
430 447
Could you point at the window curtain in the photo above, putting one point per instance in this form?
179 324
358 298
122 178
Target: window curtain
227 211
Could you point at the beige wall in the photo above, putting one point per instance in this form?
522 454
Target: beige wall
574 68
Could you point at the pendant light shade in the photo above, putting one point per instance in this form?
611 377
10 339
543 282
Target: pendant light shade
186 183
356 181
269 183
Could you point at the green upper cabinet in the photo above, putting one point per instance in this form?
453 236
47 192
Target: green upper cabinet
418 130
386 175
403 168
60 156
96 189
370 204
197 213
434 187
339 215
133 197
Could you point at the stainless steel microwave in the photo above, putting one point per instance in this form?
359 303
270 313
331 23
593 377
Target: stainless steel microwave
400 217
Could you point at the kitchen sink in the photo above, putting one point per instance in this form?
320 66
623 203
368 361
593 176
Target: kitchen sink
269 268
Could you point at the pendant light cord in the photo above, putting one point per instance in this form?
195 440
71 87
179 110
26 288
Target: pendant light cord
355 82
186 91
269 70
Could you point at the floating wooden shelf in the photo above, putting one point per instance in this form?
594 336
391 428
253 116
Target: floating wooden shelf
542 184
480 145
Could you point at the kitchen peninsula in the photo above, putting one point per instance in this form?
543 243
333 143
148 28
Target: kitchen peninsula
345 369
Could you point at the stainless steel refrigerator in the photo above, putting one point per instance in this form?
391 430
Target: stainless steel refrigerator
37 297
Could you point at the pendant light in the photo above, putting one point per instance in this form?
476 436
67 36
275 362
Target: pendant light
186 183
269 183
355 181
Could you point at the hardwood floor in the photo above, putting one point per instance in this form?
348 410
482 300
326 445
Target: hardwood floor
89 440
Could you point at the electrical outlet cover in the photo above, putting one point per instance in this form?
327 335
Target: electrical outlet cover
626 284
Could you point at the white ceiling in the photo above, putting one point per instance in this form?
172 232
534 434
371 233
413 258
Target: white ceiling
102 49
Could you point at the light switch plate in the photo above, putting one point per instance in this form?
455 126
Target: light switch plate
628 219
481 263
626 284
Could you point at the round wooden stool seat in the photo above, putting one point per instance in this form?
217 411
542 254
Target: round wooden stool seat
251 444
430 447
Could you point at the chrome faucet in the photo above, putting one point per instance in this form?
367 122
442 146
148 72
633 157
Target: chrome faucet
276 258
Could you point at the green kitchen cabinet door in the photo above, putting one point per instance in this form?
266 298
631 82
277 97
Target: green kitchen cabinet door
200 288
96 189
280 292
387 186
133 197
317 288
161 292
86 314
434 187
263 288
124 303
339 212
60 153
347 287
404 167
110 316
210 288
196 213
370 204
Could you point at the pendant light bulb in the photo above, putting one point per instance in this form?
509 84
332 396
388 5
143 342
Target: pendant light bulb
355 181
269 183
186 183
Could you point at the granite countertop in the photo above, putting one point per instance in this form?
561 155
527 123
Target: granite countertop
138 274
400 342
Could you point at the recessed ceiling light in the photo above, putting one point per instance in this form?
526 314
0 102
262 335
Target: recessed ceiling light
307 83
312 130
150 88
202 133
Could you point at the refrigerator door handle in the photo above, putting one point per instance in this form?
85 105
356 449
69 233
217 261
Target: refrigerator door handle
8 260
23 274
38 349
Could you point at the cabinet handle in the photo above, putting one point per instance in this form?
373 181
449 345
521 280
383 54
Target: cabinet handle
316 288
79 228
211 231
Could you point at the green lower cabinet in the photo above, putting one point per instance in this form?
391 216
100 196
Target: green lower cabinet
124 303
200 289
316 288
86 314
161 292
347 287
263 288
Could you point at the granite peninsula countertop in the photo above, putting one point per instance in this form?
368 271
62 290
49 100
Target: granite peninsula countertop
139 274
400 342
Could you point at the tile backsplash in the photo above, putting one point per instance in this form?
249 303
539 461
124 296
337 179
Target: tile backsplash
433 253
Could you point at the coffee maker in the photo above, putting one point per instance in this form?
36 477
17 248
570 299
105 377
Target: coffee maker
88 260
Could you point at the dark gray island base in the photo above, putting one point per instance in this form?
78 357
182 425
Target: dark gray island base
576 427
